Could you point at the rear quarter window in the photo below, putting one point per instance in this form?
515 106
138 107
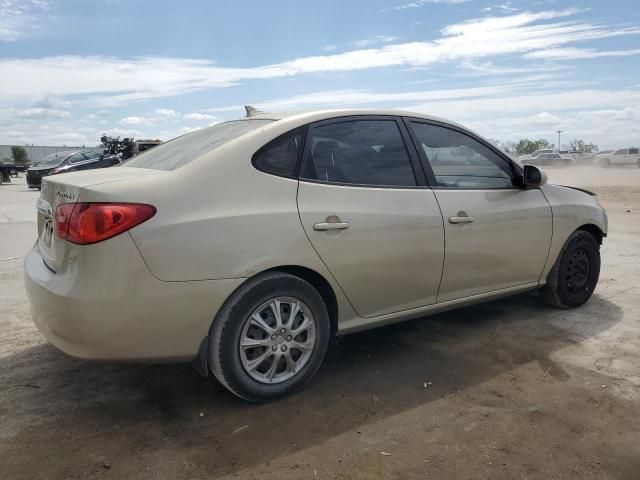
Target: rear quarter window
280 156
180 151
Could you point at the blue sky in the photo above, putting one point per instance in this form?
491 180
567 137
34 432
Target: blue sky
72 69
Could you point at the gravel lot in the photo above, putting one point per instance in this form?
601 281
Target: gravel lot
517 390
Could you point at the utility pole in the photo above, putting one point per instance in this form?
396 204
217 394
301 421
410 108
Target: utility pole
559 132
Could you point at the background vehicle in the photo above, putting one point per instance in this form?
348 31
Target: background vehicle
624 156
246 246
64 162
127 147
535 154
549 160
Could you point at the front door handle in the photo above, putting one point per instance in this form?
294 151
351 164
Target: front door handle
324 226
460 219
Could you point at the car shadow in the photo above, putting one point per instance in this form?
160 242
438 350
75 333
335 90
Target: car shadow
128 415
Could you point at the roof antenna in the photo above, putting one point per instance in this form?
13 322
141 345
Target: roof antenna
252 111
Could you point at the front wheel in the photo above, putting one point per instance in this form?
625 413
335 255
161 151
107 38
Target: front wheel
574 276
270 337
604 163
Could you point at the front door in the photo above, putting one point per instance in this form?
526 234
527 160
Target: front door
497 234
374 223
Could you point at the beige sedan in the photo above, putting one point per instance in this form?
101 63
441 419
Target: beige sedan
246 246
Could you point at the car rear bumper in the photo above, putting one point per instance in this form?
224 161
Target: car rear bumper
112 308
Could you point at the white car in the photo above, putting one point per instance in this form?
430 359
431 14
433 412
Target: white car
624 156
549 160
246 246
536 154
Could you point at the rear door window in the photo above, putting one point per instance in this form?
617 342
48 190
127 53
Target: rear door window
359 152
633 151
185 149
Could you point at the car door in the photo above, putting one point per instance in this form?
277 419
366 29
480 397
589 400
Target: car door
619 157
497 234
634 156
365 207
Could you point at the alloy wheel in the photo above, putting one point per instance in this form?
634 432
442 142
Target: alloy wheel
277 340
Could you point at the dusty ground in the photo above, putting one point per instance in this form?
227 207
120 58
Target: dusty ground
518 390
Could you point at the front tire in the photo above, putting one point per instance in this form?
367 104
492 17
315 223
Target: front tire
574 276
605 163
270 337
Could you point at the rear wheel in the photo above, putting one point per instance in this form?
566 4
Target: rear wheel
574 276
270 337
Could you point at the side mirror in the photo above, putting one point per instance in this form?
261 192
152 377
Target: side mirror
533 177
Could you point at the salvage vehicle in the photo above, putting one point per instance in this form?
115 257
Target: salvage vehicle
624 156
549 160
64 162
245 247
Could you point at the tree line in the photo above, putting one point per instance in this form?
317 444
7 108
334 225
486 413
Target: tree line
525 146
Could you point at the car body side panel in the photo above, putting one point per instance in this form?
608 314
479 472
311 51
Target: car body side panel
571 209
104 304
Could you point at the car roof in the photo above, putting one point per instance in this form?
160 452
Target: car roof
319 115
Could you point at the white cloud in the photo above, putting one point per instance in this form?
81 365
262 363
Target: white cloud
421 3
18 18
330 48
578 53
38 112
165 114
198 117
134 120
489 68
111 81
506 7
378 39
544 118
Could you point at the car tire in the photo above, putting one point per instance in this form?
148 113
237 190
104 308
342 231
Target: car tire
235 325
604 163
574 276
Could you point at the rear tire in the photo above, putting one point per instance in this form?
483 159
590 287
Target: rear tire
260 355
574 276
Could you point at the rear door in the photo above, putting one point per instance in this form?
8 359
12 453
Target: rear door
365 206
497 234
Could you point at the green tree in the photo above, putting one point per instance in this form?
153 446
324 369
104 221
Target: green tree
581 146
19 155
525 146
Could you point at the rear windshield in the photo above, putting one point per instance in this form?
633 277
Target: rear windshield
53 159
182 150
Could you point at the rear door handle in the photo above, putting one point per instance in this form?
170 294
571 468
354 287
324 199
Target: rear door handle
322 227
460 219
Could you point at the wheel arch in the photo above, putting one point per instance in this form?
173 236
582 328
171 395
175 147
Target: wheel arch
594 230
316 280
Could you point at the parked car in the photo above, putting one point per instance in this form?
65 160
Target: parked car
624 156
549 160
64 162
246 246
537 153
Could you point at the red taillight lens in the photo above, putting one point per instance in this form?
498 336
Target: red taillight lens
86 223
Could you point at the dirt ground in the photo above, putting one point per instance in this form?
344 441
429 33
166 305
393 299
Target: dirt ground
514 389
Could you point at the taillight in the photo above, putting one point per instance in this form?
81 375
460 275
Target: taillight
86 223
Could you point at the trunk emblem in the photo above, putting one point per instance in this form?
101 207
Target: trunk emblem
68 196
